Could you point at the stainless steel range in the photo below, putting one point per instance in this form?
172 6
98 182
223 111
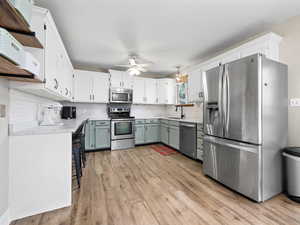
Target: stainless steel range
122 126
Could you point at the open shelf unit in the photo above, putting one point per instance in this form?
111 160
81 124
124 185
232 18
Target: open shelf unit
16 25
12 21
10 71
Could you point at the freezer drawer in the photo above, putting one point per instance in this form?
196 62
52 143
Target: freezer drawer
234 164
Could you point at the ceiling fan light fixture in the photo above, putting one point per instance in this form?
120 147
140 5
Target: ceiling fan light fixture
134 72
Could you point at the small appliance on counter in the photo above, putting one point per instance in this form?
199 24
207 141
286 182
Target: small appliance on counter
68 112
49 115
122 126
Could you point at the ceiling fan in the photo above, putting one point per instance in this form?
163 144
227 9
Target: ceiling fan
135 68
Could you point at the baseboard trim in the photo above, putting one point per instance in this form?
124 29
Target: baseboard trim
5 218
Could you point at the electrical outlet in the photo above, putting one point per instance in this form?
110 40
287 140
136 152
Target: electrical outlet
295 102
2 111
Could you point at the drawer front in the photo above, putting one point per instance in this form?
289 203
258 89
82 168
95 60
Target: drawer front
174 123
102 122
139 121
155 121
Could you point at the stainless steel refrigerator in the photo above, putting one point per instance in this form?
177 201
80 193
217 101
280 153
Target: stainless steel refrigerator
245 125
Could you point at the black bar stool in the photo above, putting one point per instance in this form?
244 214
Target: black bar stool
78 150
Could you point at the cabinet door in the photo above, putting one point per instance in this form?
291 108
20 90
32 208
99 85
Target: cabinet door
152 133
174 137
164 134
116 78
138 90
52 60
171 92
82 86
102 137
90 136
151 91
127 80
162 85
195 86
139 134
100 87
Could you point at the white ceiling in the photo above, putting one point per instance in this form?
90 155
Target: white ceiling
101 33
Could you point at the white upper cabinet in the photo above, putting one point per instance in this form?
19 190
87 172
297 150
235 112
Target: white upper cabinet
91 87
144 91
100 87
120 79
82 86
138 90
195 86
267 45
166 89
151 91
171 92
56 68
162 86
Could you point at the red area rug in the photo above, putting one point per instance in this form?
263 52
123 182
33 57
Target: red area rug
163 150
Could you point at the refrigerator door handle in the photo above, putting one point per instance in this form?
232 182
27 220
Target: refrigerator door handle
221 100
227 99
234 145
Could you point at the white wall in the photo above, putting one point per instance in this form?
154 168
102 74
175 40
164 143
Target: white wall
290 54
98 111
4 150
25 109
195 112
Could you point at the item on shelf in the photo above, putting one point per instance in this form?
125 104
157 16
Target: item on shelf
10 48
24 7
30 64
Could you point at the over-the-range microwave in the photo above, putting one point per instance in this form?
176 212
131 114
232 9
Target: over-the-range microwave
120 95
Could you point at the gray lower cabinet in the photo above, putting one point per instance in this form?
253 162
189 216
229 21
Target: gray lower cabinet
147 131
139 134
200 135
102 137
174 137
152 133
97 135
164 134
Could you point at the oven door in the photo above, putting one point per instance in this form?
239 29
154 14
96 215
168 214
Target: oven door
122 129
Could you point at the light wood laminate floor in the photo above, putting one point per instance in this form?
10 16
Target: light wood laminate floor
142 187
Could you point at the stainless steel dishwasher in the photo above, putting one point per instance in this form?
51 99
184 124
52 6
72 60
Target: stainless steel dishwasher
188 139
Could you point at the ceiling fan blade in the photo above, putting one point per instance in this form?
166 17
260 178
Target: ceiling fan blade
142 69
127 66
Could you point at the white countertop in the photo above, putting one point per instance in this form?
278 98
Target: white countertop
71 126
68 127
188 120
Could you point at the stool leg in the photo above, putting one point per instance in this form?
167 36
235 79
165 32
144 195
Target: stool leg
77 165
